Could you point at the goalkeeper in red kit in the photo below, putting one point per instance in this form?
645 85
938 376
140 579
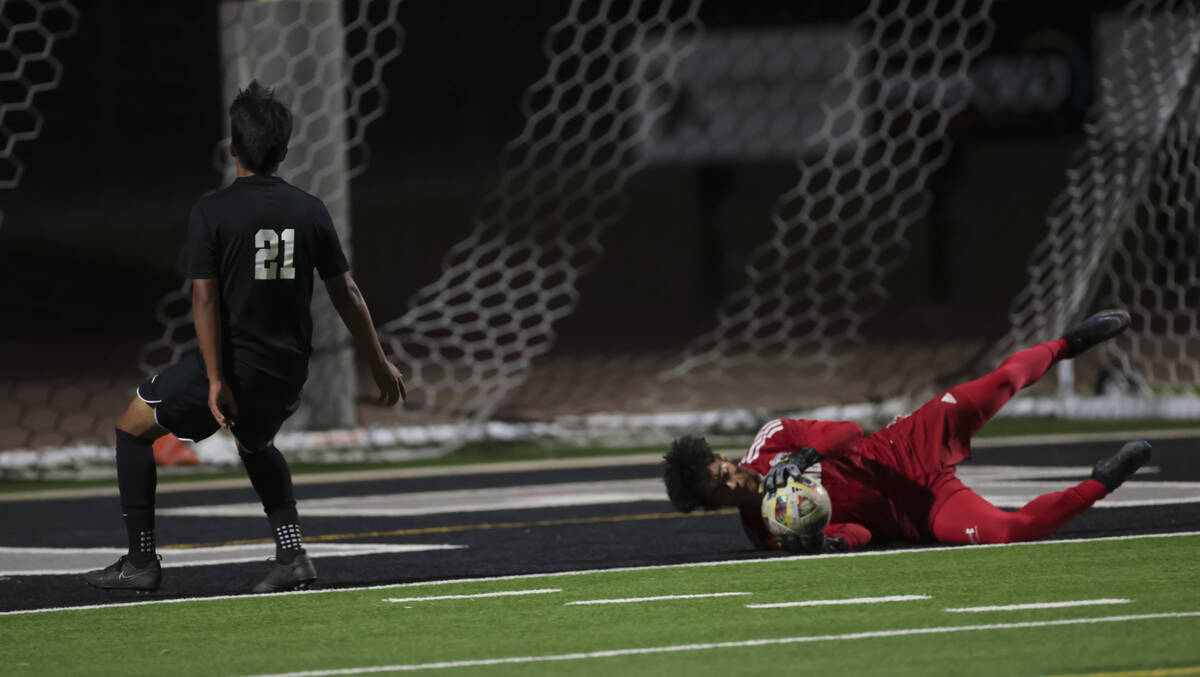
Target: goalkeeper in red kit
899 483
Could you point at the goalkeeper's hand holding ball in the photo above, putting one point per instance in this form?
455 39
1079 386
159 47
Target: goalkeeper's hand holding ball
789 466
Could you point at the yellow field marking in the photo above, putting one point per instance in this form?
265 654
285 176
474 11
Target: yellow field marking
1159 672
464 527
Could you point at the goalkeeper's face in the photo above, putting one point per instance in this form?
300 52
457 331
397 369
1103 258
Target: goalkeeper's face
730 484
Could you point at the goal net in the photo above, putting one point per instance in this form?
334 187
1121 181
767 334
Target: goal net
861 109
1124 232
470 337
706 215
815 325
28 67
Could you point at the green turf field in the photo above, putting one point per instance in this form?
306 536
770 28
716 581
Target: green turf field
545 631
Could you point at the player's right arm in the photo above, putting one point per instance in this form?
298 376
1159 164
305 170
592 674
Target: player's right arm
835 538
204 268
799 444
831 439
838 437
352 308
206 315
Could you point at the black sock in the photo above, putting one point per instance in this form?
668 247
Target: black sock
285 527
137 479
272 480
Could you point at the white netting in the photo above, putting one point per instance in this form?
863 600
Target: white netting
470 336
1124 233
325 59
812 146
864 179
28 31
39 413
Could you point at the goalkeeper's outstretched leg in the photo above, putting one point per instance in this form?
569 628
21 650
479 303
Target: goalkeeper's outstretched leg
1024 368
966 517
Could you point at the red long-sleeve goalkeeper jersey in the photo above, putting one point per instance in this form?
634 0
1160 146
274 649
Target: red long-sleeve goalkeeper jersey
870 480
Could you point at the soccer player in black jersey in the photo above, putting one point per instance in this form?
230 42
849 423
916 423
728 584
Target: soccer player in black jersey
252 250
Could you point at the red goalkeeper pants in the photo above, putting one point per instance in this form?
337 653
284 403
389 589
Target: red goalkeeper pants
964 516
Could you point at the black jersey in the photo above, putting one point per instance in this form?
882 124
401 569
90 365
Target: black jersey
261 238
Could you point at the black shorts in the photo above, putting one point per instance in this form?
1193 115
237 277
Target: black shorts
179 395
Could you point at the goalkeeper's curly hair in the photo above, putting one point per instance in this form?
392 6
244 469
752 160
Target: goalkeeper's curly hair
685 472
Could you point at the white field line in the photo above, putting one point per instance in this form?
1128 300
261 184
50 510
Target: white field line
453 500
1038 605
630 600
17 561
503 593
774 641
651 567
833 602
1005 486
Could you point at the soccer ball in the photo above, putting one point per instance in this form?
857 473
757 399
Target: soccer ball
799 508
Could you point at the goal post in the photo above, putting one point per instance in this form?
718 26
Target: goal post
300 48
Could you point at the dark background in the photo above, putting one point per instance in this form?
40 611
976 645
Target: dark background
91 237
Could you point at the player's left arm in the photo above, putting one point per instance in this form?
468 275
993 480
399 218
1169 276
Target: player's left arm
846 536
204 265
836 538
348 300
350 305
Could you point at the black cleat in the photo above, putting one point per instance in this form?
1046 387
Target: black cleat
296 575
1096 329
1115 469
122 575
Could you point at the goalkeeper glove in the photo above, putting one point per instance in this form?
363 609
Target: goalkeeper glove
790 466
813 545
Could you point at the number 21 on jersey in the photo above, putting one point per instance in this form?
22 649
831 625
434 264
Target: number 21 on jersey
267 263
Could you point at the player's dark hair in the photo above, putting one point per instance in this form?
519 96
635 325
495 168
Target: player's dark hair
261 126
685 472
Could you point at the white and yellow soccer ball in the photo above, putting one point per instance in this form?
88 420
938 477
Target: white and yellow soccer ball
799 508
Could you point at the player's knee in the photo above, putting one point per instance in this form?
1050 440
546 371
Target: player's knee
251 449
138 420
1012 379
